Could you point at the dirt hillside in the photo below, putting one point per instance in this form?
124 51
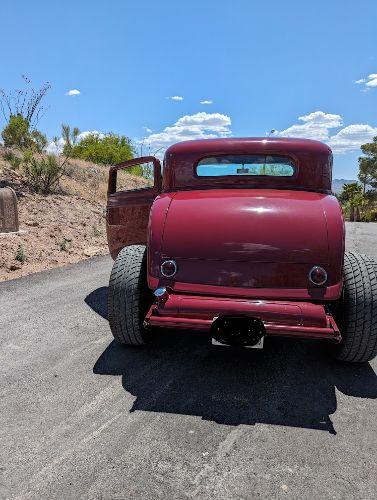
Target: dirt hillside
60 228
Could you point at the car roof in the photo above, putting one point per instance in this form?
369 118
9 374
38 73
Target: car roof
247 144
312 158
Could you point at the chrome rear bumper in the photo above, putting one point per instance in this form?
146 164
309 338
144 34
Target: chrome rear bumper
280 318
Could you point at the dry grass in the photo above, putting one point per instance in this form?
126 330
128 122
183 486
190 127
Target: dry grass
82 178
89 181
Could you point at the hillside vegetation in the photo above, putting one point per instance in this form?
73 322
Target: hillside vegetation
59 228
60 183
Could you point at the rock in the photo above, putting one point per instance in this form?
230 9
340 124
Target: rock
92 251
15 266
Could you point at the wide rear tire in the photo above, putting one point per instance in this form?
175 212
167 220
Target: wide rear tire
357 311
129 297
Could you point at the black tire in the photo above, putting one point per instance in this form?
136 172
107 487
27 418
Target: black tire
357 311
129 297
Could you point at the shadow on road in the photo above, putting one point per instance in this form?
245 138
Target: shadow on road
288 383
97 300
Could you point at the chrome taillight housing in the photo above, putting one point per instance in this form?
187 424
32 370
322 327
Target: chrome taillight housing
318 275
168 268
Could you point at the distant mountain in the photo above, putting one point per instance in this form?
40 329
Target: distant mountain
337 184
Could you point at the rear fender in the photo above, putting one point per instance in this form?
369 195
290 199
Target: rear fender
156 226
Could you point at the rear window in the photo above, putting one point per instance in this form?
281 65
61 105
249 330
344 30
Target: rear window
245 165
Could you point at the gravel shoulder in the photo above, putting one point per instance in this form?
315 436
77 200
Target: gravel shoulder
82 417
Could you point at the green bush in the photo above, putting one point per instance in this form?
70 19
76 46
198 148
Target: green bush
14 160
43 172
108 150
17 134
20 255
369 216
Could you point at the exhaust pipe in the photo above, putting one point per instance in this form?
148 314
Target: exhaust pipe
238 331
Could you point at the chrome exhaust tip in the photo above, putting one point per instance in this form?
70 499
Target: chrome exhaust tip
238 331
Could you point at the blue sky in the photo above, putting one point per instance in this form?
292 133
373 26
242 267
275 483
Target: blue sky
262 64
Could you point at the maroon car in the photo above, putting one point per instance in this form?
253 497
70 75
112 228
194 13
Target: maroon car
242 239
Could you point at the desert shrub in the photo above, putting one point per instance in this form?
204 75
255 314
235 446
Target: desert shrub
43 172
63 245
26 102
17 134
14 160
70 137
22 110
107 150
369 215
20 255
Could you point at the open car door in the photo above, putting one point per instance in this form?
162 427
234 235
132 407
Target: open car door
128 207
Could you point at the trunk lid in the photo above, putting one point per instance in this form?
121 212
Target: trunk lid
246 237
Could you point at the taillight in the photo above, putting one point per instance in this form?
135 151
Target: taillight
317 275
168 268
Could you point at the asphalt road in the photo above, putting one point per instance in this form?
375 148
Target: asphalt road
82 417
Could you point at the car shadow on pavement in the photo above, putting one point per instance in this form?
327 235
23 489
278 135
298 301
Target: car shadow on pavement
97 300
288 383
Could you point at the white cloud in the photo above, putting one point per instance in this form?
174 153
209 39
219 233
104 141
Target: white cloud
84 134
176 98
351 138
372 80
315 125
198 126
148 130
73 92
318 125
206 101
55 148
368 83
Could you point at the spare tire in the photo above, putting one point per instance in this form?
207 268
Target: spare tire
356 312
129 297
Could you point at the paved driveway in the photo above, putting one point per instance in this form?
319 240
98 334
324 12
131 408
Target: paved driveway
82 417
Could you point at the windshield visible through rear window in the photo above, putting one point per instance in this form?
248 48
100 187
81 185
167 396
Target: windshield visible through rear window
245 165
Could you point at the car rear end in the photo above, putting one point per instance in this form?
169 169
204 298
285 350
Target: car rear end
261 254
241 257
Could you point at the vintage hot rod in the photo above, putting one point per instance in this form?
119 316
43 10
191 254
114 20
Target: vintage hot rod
242 239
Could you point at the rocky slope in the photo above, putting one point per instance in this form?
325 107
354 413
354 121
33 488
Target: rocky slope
60 228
